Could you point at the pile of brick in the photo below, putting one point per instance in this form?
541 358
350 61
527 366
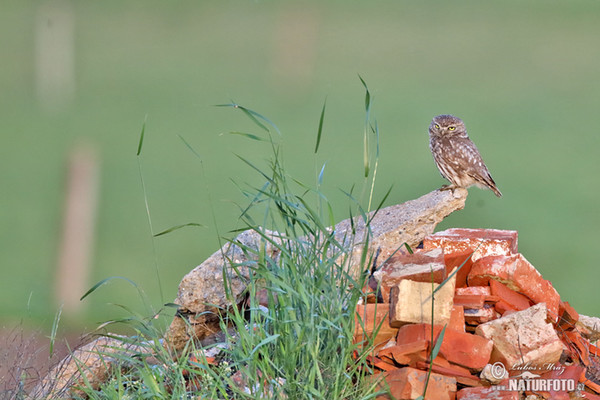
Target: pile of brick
506 332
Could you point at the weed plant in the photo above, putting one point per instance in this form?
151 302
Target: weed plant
298 343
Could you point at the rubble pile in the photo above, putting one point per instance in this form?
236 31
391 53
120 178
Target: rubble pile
505 332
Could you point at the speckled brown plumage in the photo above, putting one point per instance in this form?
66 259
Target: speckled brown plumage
456 156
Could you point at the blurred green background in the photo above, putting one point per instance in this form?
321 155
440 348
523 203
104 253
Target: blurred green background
522 74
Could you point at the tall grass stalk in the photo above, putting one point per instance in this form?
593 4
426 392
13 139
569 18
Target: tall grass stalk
298 343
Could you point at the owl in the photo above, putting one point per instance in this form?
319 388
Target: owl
456 156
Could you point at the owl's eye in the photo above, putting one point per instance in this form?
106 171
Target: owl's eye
436 126
451 128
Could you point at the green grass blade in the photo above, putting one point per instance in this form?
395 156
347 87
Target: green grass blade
174 228
367 94
104 281
265 342
255 168
434 353
141 141
438 344
253 116
320 130
320 179
54 330
249 136
189 146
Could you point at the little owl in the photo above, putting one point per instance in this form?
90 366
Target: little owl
456 156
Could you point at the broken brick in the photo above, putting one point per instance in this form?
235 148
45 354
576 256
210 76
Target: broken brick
577 345
515 300
475 316
448 369
411 302
568 316
503 308
519 275
422 266
469 300
409 383
381 364
474 290
464 349
457 319
563 372
460 260
405 353
485 393
483 242
375 318
522 337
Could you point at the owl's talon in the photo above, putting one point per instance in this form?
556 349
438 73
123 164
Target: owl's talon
448 187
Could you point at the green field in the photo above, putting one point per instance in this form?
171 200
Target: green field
523 76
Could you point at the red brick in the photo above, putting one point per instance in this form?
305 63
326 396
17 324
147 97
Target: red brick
409 383
406 353
457 319
374 316
474 290
460 260
590 384
483 242
561 371
381 364
464 349
472 382
469 300
485 393
515 300
446 369
519 275
577 345
503 308
422 266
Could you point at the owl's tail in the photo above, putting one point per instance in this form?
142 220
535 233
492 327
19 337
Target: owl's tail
496 191
487 182
492 185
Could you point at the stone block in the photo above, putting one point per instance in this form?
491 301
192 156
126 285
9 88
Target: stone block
422 266
519 275
412 302
522 337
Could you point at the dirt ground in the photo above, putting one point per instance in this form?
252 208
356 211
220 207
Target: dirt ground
25 357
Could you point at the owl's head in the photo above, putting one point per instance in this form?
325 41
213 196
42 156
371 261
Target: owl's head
447 126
